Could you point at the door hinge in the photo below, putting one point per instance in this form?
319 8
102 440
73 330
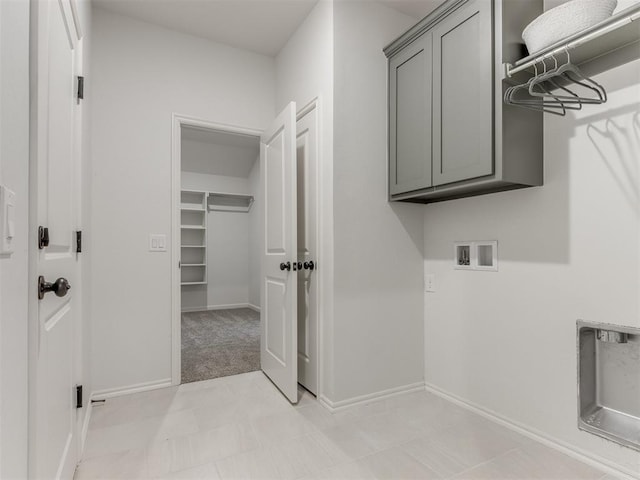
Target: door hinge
79 241
78 396
43 237
80 87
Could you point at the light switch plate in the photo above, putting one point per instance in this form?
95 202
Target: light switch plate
430 283
157 242
7 220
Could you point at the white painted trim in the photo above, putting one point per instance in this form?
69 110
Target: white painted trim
36 112
176 333
315 107
308 108
76 19
85 428
324 233
231 306
371 397
128 390
221 127
177 121
253 307
589 458
2 375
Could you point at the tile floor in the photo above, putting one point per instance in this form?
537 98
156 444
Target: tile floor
241 427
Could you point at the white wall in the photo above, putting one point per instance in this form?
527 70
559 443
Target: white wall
569 250
304 71
228 252
228 258
217 159
378 310
218 183
141 75
14 174
372 318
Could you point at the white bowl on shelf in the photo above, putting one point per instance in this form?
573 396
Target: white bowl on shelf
565 20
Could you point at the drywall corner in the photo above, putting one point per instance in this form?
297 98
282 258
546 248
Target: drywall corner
378 246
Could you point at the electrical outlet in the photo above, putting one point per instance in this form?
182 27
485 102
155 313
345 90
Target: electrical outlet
157 243
430 283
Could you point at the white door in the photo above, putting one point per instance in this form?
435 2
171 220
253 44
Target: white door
307 159
54 178
279 278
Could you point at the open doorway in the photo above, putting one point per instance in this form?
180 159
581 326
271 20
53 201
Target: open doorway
236 193
219 253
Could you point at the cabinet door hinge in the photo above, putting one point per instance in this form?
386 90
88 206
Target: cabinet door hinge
79 241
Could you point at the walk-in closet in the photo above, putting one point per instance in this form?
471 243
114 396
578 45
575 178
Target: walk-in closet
219 262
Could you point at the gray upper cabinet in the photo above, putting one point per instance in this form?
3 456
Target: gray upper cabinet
462 110
410 123
450 135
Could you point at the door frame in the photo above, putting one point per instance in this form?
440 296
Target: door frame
180 120
314 107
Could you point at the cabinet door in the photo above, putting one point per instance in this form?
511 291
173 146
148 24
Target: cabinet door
463 94
410 117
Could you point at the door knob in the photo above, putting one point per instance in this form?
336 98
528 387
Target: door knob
285 266
309 265
60 287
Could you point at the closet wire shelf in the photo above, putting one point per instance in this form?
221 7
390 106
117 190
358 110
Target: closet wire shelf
551 88
618 31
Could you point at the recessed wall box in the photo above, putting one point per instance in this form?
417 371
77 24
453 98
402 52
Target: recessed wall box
609 382
486 255
476 255
462 256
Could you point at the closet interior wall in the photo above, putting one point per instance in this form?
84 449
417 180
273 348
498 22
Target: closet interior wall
232 267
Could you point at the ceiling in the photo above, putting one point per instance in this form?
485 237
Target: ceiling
220 138
261 26
413 8
218 153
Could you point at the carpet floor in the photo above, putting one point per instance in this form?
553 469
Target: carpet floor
219 343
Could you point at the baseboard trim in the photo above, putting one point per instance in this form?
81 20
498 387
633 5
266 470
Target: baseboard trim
606 466
128 390
231 306
369 398
253 307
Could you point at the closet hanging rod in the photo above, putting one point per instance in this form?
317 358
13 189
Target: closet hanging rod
624 18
